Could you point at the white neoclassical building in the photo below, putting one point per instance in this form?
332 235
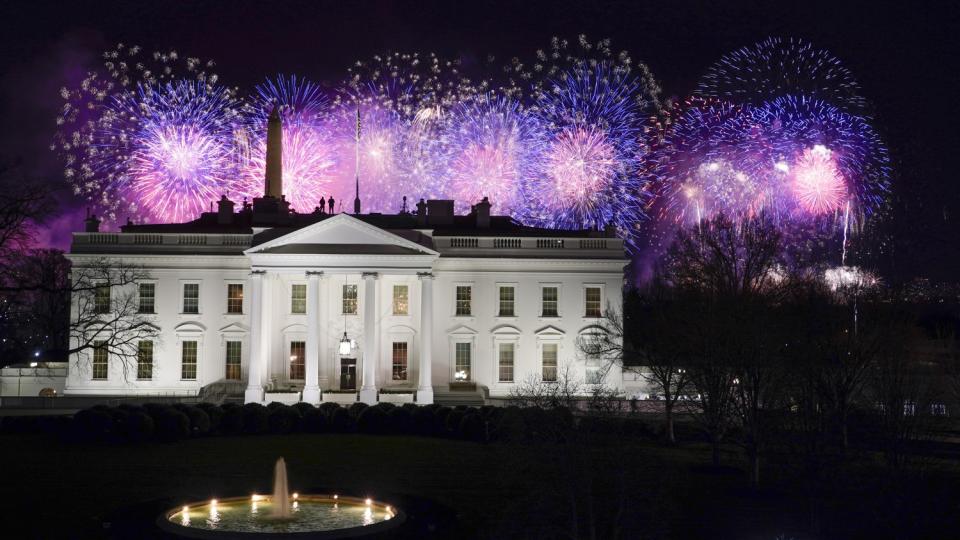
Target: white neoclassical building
346 307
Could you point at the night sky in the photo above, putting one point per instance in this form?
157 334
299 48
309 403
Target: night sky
903 55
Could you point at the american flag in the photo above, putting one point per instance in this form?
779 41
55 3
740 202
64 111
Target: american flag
359 124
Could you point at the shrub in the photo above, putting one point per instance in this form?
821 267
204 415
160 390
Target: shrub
372 421
214 413
472 428
440 420
303 407
400 421
452 422
274 405
424 421
92 424
314 421
230 405
232 421
341 421
385 407
510 427
356 409
410 407
155 410
172 425
255 419
199 420
139 426
283 420
328 408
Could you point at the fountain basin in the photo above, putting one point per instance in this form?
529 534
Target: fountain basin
311 516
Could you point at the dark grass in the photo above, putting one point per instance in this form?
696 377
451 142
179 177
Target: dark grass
52 489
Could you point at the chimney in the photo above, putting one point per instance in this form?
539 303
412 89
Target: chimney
421 213
91 224
482 211
224 211
273 179
440 212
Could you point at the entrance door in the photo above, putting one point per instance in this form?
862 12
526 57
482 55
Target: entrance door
348 373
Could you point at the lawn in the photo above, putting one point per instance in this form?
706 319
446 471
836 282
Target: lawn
493 490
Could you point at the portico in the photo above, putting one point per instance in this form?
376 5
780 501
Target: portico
350 270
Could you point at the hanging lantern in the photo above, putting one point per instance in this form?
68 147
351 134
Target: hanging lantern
344 344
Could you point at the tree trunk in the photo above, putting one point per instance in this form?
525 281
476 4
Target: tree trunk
671 438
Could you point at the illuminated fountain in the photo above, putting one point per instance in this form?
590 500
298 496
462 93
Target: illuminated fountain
283 512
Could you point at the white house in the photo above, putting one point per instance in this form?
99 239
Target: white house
354 306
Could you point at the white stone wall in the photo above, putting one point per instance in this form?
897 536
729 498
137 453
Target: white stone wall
529 330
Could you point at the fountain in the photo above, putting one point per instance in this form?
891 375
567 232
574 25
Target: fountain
282 513
281 497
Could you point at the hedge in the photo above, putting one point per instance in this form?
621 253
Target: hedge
137 424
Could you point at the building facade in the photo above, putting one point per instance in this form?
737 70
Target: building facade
346 307
365 304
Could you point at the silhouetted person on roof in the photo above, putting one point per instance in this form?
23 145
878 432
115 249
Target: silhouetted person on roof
330 202
323 205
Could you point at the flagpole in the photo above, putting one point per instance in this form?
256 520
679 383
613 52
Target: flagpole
356 200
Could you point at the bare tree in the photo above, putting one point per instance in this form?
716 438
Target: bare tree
22 204
729 272
35 295
106 313
659 353
533 391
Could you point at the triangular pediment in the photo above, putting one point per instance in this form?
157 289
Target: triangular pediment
342 234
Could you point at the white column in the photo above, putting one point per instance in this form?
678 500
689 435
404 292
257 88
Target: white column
425 389
311 390
254 393
371 339
323 347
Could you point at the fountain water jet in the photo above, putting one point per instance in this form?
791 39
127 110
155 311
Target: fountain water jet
281 495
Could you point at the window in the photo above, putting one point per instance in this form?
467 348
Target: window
235 298
233 360
594 373
298 298
399 360
188 361
101 299
549 359
191 298
349 299
147 297
592 302
506 300
505 362
297 357
463 300
550 297
401 303
145 360
461 362
99 360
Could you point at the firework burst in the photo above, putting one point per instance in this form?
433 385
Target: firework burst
494 147
92 164
590 176
776 67
167 149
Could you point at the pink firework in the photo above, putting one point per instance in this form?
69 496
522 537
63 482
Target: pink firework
581 164
178 170
818 184
308 166
487 170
